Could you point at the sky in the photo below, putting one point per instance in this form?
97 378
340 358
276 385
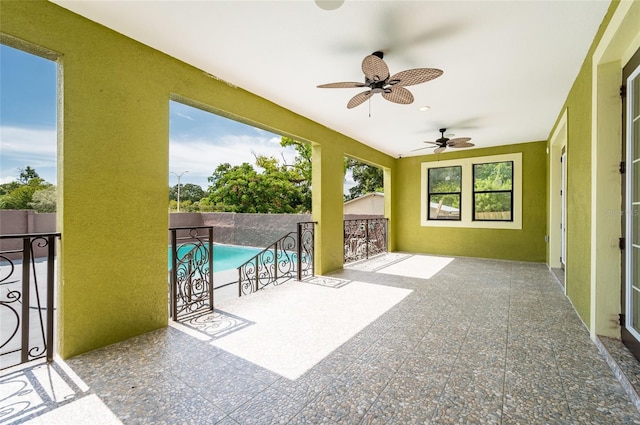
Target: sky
199 140
27 114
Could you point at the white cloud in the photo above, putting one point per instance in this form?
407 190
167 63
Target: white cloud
28 141
20 147
348 182
201 156
184 116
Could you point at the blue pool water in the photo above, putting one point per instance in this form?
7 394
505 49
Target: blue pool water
225 257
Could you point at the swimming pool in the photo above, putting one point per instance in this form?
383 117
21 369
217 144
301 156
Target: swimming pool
225 257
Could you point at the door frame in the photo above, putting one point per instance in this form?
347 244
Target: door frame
563 209
630 336
617 43
557 146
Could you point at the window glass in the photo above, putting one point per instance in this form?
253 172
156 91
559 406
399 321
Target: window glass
493 191
445 187
634 190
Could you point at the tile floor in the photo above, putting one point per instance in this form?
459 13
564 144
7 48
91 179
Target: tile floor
477 342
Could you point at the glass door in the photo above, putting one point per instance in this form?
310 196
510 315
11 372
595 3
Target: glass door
631 296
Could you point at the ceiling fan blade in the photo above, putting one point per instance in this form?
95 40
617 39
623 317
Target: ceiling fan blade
359 98
433 143
374 68
458 140
426 147
343 85
414 76
398 95
440 149
462 145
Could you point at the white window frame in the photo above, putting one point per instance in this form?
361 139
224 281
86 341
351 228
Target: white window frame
631 160
429 193
466 214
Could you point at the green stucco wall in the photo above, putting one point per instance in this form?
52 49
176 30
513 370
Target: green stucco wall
579 108
527 244
578 251
327 207
113 158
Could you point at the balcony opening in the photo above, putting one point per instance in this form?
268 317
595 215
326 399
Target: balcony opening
28 238
365 228
250 186
28 99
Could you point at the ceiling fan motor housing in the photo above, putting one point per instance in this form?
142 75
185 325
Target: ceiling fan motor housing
377 86
443 140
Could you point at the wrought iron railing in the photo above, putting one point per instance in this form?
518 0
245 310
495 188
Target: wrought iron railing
191 271
290 257
27 298
364 238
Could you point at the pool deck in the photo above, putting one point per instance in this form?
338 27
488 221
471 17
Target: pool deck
228 292
401 339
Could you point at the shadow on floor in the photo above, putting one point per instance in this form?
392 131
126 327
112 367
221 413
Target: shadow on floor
476 342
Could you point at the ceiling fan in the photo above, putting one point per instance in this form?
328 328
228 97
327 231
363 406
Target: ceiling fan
443 143
378 80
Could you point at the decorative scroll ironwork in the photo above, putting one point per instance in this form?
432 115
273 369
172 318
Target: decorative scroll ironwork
306 241
191 272
290 257
27 298
364 238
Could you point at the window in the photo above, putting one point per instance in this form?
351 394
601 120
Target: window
445 190
480 192
493 191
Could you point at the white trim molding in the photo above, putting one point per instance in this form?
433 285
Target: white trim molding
466 219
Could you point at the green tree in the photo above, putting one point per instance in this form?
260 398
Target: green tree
19 198
445 180
494 176
44 200
27 174
19 195
301 169
6 188
243 189
188 192
205 205
368 178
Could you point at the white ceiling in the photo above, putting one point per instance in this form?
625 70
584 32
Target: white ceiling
508 65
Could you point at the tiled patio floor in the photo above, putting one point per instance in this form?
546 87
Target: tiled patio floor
434 341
